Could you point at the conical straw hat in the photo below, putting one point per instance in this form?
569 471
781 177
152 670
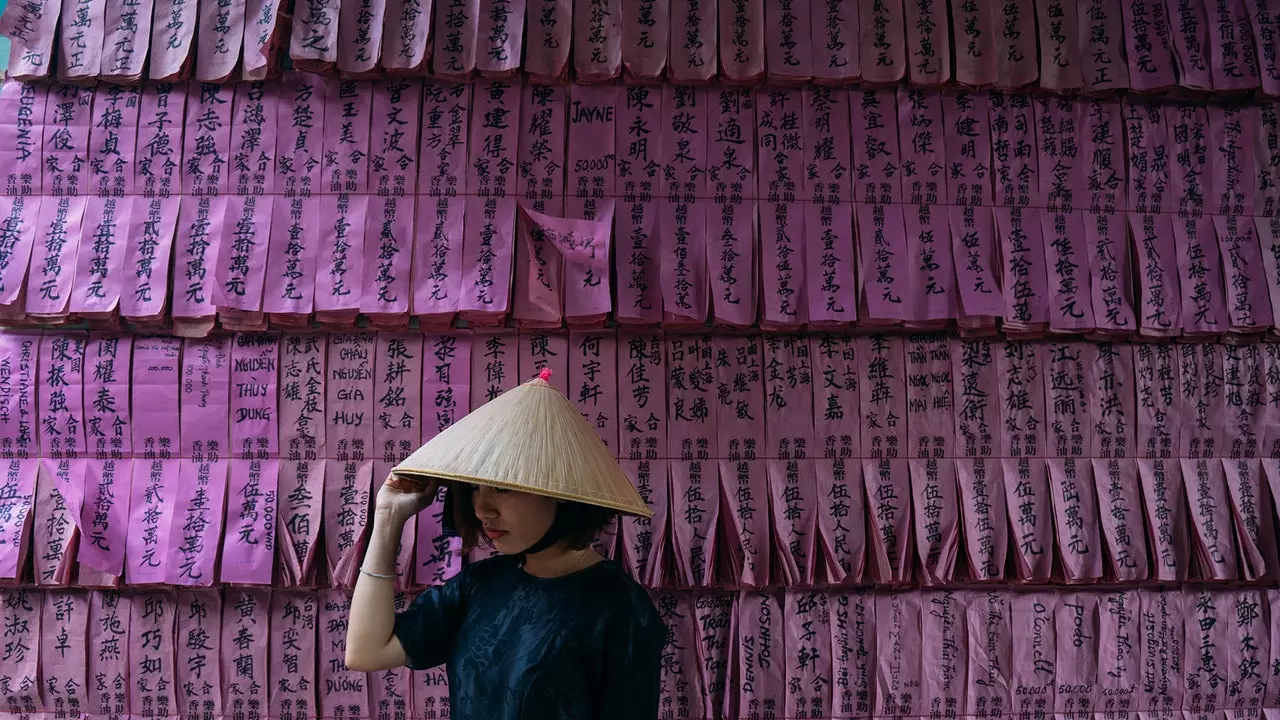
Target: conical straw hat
530 439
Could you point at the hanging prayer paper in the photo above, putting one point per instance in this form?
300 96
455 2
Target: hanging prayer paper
1102 66
741 28
944 662
1077 654
109 649
930 448
693 42
199 645
714 614
1109 392
1164 634
1208 615
930 41
591 163
397 429
1105 230
1199 262
21 613
304 453
883 260
292 652
1015 166
157 381
789 31
199 500
447 387
80 56
442 203
836 60
539 264
340 268
60 484
22 109
780 177
1159 422
495 369
360 39
104 517
761 629
456 40
990 648
1026 477
682 213
680 684
828 187
154 219
808 663
1119 659
1203 437
646 31
1075 500
882 42
973 230
173 35
393 163
68 117
973 33
898 656
639 128
747 486
152 661
262 39
837 418
642 412
64 644
245 616
491 203
221 34
1062 227
799 514
1016 45
979 476
499 38
313 47
342 692
1034 653
932 295
852 652
1147 46
1159 304
18 449
885 470
30 29
598 39
348 479
694 479
551 27
249 546
732 230
593 387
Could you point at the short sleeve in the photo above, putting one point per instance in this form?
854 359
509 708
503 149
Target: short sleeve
632 653
428 627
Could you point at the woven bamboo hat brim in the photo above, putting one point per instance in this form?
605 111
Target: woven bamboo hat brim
530 439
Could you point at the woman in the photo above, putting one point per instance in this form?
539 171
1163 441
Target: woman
547 629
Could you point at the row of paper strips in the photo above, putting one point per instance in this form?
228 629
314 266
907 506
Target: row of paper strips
677 205
1191 654
1094 46
775 460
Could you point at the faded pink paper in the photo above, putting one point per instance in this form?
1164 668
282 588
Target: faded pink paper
104 517
1026 482
499 37
1147 45
249 545
842 540
551 25
487 259
292 654
1233 56
291 261
110 650
155 216
980 479
788 40
933 294
742 31
1271 376
930 447
262 39
63 643
200 499
57 240
1101 47
1249 500
222 32
1067 267
1189 39
431 694
639 120
884 408
18 232
397 417
314 40
779 183
836 60
944 657
761 637
1147 137
243 257
152 652
1119 498
245 641
1208 615
341 692
1249 650
598 39
990 654
1213 540
593 381
456 39
1268 233
1058 148
1264 15
1233 161
442 203
348 110
349 407
1034 653
31 28
23 612
1075 512
18 447
1247 302
1165 508
747 485
447 387
828 186
808 665
973 34
646 27
406 35
1244 373
1158 302
899 660
360 37
1106 239
682 214
886 265
642 444
853 640
538 299
303 453
716 641
173 32
929 43
973 232
1120 629
693 41
62 440
1157 421
199 646
592 190
1203 402
691 434
1015 45
393 164
883 51
682 650
1015 163
1026 300
80 49
1164 633
1060 47
876 158
1077 654
155 380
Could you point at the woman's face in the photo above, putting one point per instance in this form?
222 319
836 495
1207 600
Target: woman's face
513 521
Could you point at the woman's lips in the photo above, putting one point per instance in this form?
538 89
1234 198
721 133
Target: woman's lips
493 533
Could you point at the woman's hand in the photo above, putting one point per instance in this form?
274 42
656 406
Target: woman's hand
400 497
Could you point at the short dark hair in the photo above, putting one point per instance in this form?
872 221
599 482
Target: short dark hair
582 522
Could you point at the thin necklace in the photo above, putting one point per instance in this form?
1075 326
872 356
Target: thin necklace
577 563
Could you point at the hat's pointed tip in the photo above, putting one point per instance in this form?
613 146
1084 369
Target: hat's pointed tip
545 375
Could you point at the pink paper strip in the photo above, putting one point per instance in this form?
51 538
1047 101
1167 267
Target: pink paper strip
199 502
924 178
1158 419
1213 542
1165 509
828 184
1102 57
1059 45
360 37
539 268
985 514
80 56
929 40
21 148
1147 138
172 35
746 490
394 166
1244 376
1026 482
1164 632
1189 38
990 652
1110 392
1248 651
487 255
1105 232
23 613
944 657
1119 499
304 450
314 42
973 33
249 546
742 29
456 40
884 437
1233 164
1189 172
110 649
348 482
780 180
1204 307
682 214
1119 658
104 517
262 39
876 158
598 39
1203 403
692 431
835 59
243 260
1034 653
152 661
899 659
1147 45
397 430
1159 304
1075 512
638 127
222 32
1013 140
62 437
1022 399
785 27
761 629
551 25
206 153
155 217
1026 300
442 183
431 694
977 403
294 620
499 37
693 44
1016 46
31 29
342 692
58 232
924 155
1264 16
1058 152
930 447
642 428
406 35
540 351
882 249
447 387
716 641
646 27
1233 57
63 643
155 378
1267 184
840 481
682 650
883 52
199 647
852 649
1255 535
245 615
296 220
1248 304
808 664
100 264
929 249
1205 651
340 269
593 381
1102 140
1077 654
591 164
18 358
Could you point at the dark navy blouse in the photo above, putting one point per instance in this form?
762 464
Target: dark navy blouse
584 646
